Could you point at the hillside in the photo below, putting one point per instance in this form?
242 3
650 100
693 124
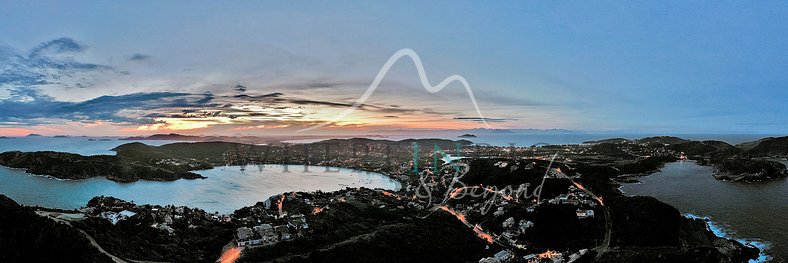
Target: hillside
776 147
27 237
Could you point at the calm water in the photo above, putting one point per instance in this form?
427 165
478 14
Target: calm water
750 212
225 190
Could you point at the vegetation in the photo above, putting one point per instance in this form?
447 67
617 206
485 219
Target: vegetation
27 237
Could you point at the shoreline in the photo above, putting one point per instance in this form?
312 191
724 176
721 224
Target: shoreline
397 183
719 231
764 246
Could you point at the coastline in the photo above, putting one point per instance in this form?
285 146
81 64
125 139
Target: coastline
765 246
761 245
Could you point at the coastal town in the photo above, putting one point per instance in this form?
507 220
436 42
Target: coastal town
504 204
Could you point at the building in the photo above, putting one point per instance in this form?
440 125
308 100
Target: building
283 232
267 234
114 218
582 214
244 233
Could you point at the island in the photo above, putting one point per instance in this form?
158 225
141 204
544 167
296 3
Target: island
73 166
467 135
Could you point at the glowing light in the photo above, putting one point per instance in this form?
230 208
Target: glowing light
280 204
548 254
317 210
230 255
459 216
456 192
483 235
386 193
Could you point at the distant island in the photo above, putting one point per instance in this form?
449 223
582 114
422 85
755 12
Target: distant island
75 166
467 135
237 139
35 135
169 137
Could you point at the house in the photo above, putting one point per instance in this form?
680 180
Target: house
163 227
114 217
298 221
283 232
244 233
509 222
263 229
503 255
267 234
524 225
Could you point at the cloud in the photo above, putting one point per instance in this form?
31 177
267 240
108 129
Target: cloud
29 106
57 46
35 82
48 63
258 97
139 57
239 88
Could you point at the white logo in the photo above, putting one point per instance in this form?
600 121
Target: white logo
406 52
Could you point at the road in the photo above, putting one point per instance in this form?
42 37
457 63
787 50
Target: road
601 249
90 238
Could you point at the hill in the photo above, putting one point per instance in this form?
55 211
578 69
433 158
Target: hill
27 237
777 147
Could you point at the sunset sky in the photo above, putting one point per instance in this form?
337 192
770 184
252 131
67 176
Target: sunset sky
249 68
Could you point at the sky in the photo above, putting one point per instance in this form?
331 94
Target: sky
277 67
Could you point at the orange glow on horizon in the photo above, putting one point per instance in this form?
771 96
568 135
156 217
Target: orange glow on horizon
15 132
